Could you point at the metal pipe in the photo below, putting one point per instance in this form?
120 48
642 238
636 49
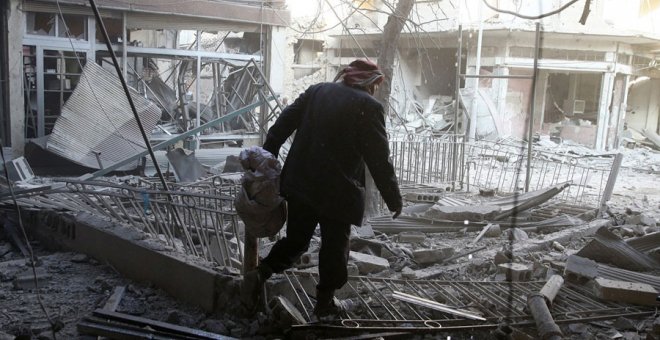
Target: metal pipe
530 132
459 56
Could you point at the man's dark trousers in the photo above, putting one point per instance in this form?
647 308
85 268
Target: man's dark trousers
333 255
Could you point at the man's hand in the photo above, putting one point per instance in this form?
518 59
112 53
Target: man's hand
397 212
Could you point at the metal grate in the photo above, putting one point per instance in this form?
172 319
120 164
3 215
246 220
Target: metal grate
371 304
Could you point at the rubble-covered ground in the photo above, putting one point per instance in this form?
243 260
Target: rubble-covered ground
72 286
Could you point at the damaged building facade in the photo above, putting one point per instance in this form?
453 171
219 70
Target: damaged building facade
185 59
593 83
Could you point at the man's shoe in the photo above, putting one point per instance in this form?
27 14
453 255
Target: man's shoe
330 312
327 306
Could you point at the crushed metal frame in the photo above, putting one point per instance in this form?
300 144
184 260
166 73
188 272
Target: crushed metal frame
495 301
204 225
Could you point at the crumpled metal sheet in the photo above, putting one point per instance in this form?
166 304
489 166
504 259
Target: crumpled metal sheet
97 120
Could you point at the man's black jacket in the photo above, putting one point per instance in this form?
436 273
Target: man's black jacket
338 129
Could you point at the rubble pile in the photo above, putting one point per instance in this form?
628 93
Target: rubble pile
486 261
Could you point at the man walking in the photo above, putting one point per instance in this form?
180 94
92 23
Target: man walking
339 128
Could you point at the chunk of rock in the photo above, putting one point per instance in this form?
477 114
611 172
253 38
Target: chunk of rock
516 234
516 272
627 292
425 256
368 263
411 237
463 213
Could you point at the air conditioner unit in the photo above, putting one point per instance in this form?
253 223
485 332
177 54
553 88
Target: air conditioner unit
573 107
578 106
19 170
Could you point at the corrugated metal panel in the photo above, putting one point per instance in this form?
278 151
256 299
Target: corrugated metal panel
97 119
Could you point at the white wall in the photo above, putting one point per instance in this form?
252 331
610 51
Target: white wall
644 105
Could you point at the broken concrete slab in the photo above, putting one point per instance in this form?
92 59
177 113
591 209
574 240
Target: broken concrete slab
652 136
428 197
515 272
411 237
365 231
645 243
580 270
368 263
463 213
607 247
518 203
516 234
437 255
627 292
502 257
490 230
436 271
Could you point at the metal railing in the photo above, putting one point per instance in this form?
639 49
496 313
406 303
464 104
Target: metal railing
503 167
496 165
426 160
199 224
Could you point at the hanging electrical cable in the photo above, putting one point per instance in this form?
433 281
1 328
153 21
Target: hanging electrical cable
530 17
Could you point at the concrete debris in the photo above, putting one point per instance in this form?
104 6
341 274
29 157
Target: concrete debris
642 218
502 257
463 213
652 136
516 234
436 255
518 203
581 270
411 237
490 230
364 231
285 313
645 243
187 167
368 264
422 197
628 292
515 272
606 247
557 246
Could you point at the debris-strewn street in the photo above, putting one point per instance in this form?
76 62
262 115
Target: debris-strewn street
480 169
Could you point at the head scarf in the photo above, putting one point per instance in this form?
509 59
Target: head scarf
361 73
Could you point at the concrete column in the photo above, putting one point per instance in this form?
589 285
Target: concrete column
540 99
500 89
603 109
16 27
275 61
276 65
